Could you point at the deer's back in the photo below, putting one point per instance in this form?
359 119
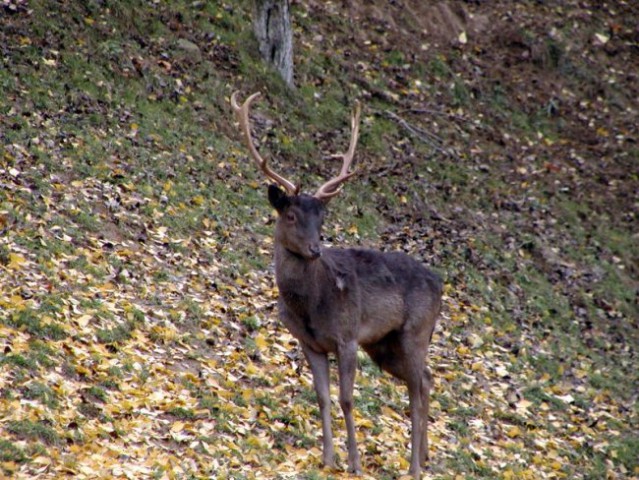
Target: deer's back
395 291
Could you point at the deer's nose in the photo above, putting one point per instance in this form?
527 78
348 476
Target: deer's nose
314 251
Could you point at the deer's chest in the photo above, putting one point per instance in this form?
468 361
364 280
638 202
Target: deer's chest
315 320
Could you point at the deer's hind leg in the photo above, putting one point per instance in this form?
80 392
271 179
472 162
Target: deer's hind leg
427 384
400 356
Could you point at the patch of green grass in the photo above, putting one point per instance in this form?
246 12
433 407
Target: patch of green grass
193 312
597 468
368 402
238 265
543 300
461 94
97 393
9 452
210 403
438 67
89 410
33 431
143 375
41 392
624 451
37 325
395 57
110 384
118 334
314 475
510 417
537 395
465 461
5 254
82 264
602 381
161 275
368 366
546 364
19 360
251 323
466 412
182 413
373 136
459 426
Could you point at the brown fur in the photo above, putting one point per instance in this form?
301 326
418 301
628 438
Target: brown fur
333 300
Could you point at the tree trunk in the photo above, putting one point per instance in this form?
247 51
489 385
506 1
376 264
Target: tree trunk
272 26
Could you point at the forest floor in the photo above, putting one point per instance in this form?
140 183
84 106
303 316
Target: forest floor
138 329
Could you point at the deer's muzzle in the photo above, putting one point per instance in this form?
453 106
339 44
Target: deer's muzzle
314 252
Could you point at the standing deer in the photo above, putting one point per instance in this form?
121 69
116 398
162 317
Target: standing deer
333 299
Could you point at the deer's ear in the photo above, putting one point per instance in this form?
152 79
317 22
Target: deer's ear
278 198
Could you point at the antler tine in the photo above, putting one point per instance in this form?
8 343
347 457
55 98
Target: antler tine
242 113
334 185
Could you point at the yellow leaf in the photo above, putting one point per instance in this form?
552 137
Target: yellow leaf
15 301
364 422
513 432
260 342
403 462
253 441
9 466
15 261
450 375
477 367
463 350
523 404
177 427
84 320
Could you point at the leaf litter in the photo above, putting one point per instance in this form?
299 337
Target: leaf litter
135 348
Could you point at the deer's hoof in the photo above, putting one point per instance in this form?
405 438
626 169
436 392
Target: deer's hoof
416 473
355 471
330 465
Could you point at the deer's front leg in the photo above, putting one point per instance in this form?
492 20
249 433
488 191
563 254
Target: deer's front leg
347 363
319 367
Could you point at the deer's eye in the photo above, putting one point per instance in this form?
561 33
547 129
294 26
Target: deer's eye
290 217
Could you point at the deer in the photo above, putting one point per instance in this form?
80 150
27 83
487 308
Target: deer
333 300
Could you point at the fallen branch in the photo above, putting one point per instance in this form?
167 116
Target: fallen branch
425 136
441 113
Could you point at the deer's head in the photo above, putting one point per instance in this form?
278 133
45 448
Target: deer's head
300 216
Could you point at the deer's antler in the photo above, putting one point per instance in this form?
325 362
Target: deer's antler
334 185
242 113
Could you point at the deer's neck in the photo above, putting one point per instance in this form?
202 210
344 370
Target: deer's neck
296 274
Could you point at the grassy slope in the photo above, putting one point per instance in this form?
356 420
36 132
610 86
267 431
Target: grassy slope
138 326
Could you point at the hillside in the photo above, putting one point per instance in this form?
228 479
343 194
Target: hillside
138 329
